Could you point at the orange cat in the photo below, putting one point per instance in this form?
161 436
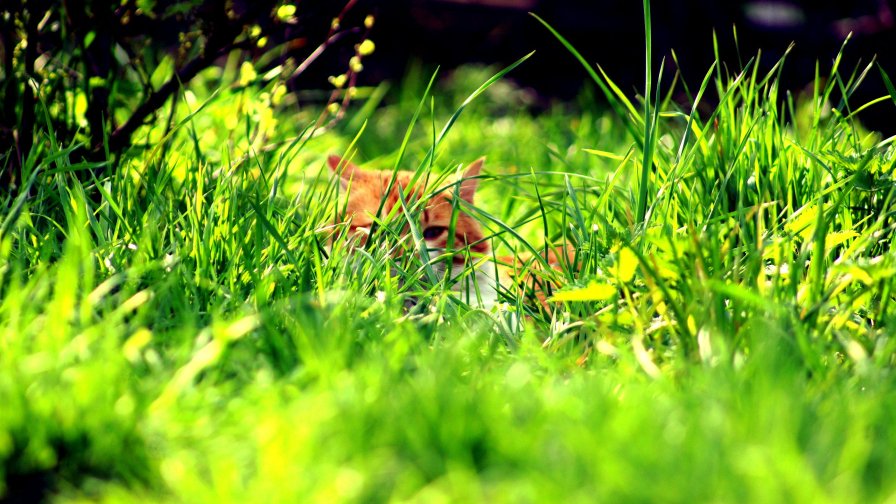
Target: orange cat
369 190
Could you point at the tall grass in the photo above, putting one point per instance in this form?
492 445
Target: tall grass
194 327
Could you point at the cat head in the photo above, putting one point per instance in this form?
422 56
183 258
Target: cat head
368 190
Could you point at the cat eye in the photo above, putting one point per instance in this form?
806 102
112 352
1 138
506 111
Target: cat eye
433 232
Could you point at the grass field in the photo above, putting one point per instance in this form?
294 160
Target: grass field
176 331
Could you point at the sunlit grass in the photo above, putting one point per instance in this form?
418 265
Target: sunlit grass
184 329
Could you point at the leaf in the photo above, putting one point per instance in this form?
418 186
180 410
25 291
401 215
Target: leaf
838 238
859 274
593 292
147 6
626 264
803 223
604 154
888 83
162 73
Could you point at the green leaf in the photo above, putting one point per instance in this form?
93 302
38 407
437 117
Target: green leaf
888 83
594 291
162 73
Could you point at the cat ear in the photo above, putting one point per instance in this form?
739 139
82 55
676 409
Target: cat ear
469 182
346 170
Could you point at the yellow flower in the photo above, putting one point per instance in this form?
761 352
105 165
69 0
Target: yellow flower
247 73
277 94
366 47
338 81
284 12
355 64
368 21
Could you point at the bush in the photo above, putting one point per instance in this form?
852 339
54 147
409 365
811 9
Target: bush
94 73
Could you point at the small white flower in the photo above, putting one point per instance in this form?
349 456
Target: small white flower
168 262
108 262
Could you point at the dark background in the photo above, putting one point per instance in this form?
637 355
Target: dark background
113 52
611 33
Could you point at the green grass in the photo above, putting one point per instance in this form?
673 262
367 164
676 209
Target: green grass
175 330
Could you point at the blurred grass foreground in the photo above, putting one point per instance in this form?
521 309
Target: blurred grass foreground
181 320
